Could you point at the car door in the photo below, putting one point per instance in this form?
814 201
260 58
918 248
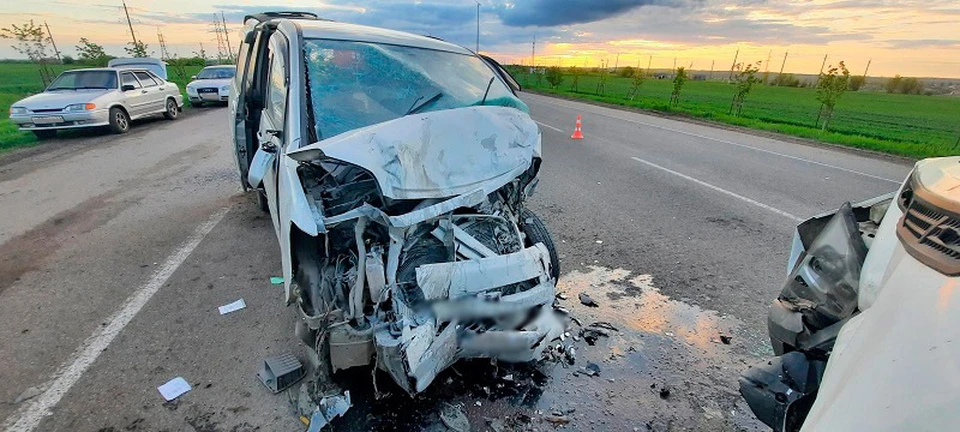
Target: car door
156 99
136 96
244 144
272 135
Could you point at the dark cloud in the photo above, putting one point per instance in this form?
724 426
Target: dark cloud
549 13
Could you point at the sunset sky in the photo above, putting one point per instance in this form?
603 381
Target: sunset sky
907 37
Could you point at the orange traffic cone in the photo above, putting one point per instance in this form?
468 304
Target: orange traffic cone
577 134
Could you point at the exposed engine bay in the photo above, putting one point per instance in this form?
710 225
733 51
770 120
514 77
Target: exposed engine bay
414 283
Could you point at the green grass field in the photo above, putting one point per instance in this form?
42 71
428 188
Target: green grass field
906 125
19 80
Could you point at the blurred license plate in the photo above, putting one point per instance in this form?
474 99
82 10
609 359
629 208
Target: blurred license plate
47 119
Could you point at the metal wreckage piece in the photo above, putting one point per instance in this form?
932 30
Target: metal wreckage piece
426 254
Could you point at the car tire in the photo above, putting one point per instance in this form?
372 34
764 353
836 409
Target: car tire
262 201
119 120
172 110
536 232
45 134
196 104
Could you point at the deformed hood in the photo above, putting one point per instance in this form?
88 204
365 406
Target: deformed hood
438 154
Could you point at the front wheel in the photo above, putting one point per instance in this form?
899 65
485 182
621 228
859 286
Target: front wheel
172 110
45 134
119 121
536 232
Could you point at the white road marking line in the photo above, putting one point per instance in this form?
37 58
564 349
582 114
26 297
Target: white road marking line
797 158
548 126
34 411
722 190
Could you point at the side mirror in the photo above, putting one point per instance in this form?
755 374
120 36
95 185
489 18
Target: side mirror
266 144
127 87
193 77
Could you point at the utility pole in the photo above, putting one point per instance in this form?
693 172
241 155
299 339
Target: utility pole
649 61
711 68
478 27
766 67
616 63
129 23
164 55
674 63
782 65
735 56
866 70
533 53
226 35
821 68
50 36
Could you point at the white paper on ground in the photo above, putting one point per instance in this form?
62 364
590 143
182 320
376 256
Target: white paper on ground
174 388
232 307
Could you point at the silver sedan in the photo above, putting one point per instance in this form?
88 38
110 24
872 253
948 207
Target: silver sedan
108 97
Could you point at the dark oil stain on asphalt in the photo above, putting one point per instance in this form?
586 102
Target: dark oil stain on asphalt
665 368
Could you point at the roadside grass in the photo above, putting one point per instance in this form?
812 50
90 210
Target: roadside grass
19 80
905 125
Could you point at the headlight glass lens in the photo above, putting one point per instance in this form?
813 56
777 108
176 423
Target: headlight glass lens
225 88
81 107
17 110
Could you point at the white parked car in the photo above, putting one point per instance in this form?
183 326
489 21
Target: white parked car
85 98
867 327
211 85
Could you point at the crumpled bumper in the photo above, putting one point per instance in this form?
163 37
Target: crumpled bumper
462 306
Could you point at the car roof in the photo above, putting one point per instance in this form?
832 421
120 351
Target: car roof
314 29
221 67
110 69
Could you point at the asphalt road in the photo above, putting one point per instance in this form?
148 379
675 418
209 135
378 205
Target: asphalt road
117 251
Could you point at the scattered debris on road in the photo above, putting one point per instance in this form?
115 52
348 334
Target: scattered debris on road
276 280
174 388
587 300
454 418
323 408
280 372
232 307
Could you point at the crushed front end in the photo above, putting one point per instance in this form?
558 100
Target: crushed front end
426 253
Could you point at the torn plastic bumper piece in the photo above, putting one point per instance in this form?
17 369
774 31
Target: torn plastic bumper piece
781 391
329 408
461 295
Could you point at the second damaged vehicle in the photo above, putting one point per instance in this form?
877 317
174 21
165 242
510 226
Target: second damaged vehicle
395 169
867 326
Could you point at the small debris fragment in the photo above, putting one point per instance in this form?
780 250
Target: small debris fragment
478 403
174 388
508 377
599 241
587 301
276 280
232 307
280 372
592 369
561 296
496 425
557 420
604 325
329 408
454 418
726 339
664 393
27 394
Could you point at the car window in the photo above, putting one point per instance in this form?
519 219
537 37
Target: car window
127 78
276 101
89 79
216 73
357 84
156 78
145 79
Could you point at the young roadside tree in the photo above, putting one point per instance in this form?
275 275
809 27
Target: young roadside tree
136 49
833 83
679 79
576 80
554 76
31 41
602 84
745 78
91 54
635 82
856 82
893 84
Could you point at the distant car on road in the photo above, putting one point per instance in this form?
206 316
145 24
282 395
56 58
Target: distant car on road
83 98
212 84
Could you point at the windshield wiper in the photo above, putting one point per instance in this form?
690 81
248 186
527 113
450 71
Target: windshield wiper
414 108
484 100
